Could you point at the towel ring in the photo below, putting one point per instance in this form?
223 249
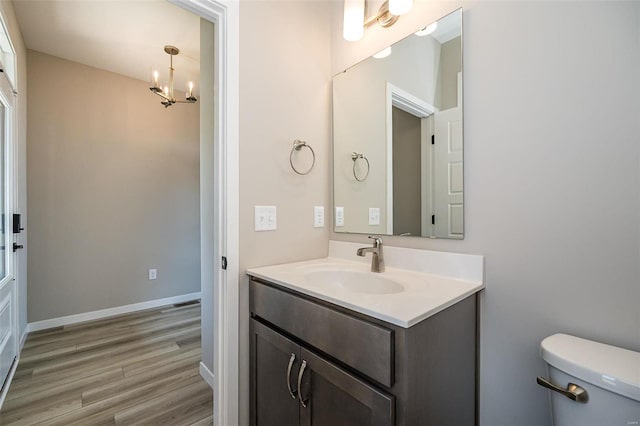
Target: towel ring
355 156
297 146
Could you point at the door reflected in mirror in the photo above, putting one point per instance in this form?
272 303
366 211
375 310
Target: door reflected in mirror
398 138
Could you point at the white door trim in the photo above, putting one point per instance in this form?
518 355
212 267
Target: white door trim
225 16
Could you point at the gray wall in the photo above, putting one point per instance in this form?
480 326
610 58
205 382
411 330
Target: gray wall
450 66
113 191
284 95
551 180
407 168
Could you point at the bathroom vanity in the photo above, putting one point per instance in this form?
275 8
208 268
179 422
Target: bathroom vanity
326 349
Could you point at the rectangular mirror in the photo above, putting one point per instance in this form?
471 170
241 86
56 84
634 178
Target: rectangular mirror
397 137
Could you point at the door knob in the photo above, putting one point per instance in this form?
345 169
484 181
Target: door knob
17 246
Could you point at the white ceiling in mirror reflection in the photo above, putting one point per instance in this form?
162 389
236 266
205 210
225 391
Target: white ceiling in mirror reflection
124 37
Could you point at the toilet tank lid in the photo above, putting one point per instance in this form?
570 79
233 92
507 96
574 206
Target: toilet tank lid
609 367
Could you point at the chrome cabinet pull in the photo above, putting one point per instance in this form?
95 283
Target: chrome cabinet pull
303 401
291 361
572 391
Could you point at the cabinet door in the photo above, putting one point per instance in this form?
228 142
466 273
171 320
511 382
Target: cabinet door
334 397
271 358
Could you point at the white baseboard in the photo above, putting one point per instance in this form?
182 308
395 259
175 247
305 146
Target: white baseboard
206 374
23 339
7 382
104 313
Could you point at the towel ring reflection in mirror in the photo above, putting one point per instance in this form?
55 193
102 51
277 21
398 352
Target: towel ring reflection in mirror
297 146
355 157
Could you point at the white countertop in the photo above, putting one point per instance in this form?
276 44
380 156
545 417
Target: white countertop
423 294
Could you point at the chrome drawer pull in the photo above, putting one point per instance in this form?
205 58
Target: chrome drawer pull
291 361
573 391
303 402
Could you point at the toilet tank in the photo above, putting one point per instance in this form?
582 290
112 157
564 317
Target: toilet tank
610 375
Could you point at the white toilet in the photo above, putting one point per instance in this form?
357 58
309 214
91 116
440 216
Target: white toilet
609 375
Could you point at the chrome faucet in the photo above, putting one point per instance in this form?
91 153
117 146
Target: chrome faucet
377 261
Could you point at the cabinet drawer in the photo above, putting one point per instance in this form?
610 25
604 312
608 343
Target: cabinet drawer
366 347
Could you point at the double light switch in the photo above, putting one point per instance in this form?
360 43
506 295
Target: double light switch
265 218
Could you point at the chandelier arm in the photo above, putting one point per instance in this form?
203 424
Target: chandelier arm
163 96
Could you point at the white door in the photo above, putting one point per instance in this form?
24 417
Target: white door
447 178
8 300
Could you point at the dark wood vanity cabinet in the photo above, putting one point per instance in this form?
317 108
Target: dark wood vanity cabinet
315 363
294 386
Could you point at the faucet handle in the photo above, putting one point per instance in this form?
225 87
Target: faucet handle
377 241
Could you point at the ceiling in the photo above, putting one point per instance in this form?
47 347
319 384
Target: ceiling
125 37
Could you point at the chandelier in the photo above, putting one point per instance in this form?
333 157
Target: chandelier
166 92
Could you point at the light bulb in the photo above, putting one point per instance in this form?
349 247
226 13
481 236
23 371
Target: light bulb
353 26
427 30
154 78
383 53
166 90
190 90
400 7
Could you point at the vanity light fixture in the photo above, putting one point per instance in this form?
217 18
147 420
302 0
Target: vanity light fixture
355 21
427 30
166 92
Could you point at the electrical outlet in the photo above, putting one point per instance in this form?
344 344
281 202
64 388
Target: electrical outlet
374 216
153 274
339 216
265 218
318 216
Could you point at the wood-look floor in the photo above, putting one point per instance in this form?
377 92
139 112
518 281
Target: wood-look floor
139 368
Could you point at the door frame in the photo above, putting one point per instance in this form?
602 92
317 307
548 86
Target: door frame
226 292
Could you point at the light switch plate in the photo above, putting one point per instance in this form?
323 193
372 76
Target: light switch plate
374 216
265 218
153 274
339 216
318 216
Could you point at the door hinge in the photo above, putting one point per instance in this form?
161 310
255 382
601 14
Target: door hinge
433 219
433 139
224 263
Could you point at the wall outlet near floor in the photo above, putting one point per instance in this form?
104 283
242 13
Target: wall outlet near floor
374 216
339 216
153 274
318 216
265 218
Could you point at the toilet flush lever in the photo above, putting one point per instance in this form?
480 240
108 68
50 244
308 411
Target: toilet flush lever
572 391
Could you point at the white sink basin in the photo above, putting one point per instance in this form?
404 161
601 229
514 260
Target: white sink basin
353 281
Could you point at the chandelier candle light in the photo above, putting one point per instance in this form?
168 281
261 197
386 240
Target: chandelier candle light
166 92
